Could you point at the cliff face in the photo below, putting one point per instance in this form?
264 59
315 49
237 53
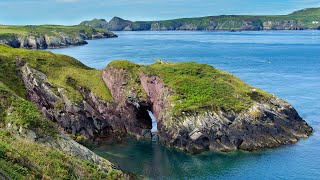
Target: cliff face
263 125
267 122
217 111
46 41
299 20
91 118
33 148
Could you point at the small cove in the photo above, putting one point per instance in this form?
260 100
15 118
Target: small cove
285 63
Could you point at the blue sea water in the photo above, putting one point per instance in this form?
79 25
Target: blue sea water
285 63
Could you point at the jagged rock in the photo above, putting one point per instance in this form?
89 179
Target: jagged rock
265 124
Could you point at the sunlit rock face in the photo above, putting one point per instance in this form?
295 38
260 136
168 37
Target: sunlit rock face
138 94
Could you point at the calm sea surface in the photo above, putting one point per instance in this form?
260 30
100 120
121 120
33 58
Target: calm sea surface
285 63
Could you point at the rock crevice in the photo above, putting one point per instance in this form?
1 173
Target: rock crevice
265 124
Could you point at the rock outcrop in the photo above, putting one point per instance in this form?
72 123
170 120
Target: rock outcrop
266 122
29 141
91 118
45 41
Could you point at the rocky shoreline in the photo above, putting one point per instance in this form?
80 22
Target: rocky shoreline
51 41
265 124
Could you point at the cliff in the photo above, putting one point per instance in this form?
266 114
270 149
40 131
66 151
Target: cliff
197 107
43 37
299 20
31 147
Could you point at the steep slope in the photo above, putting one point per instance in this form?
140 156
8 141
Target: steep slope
198 107
299 20
32 148
95 23
49 36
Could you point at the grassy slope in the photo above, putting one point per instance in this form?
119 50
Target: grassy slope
63 71
234 21
199 87
25 159
51 30
95 23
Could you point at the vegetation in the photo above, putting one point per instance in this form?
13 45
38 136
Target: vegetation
199 87
51 30
21 158
308 18
132 77
21 113
96 23
63 71
235 21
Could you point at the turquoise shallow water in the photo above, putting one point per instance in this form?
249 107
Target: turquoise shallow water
285 63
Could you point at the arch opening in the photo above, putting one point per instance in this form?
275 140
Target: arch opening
154 129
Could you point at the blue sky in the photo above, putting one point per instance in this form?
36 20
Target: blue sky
74 11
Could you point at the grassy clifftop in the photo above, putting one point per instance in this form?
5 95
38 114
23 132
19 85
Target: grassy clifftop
199 87
49 36
50 30
63 71
23 158
302 19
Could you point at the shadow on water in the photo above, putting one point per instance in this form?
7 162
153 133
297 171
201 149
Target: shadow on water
154 160
285 63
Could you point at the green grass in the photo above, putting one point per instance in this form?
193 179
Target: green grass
21 158
60 69
24 159
132 77
22 113
200 87
307 16
101 23
50 30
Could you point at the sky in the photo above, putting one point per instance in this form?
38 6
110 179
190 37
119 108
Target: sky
70 12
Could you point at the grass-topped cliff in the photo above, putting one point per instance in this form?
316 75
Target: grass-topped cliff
199 107
25 150
196 87
49 36
63 71
299 20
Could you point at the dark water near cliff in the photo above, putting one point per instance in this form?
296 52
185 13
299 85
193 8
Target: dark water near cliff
285 63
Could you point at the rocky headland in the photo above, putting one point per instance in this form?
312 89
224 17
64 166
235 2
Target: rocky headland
217 111
197 108
43 37
298 20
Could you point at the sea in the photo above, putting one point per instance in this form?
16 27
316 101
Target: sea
284 63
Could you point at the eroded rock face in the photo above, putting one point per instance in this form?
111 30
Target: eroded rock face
265 124
91 118
132 108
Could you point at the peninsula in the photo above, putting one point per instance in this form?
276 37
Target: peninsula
298 20
50 36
